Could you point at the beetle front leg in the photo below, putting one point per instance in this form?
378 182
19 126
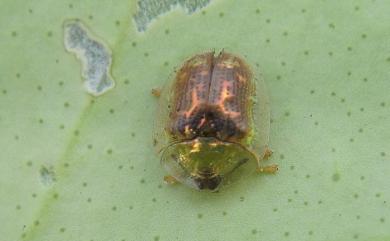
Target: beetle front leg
271 169
266 169
170 180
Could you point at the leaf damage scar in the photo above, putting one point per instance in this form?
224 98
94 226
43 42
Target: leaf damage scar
95 56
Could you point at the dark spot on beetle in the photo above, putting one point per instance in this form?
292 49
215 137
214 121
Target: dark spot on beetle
207 122
207 179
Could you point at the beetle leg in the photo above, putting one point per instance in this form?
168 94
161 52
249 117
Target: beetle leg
156 92
267 169
267 153
170 180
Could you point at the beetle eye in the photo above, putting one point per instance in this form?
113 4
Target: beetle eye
204 164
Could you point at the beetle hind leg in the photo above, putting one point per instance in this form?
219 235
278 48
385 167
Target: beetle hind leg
267 153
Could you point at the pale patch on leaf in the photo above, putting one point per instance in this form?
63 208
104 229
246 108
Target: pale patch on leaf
149 10
95 56
47 175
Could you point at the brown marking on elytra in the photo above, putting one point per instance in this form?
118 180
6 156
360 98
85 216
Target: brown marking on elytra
212 84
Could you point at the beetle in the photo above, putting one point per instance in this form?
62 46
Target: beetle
213 117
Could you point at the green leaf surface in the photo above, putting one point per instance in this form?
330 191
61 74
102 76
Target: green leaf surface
78 167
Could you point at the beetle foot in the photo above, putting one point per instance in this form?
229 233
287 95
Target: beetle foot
170 180
271 169
156 92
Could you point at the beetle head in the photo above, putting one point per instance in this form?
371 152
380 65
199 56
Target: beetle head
204 163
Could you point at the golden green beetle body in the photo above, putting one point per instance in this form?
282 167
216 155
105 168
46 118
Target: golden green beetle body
213 118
